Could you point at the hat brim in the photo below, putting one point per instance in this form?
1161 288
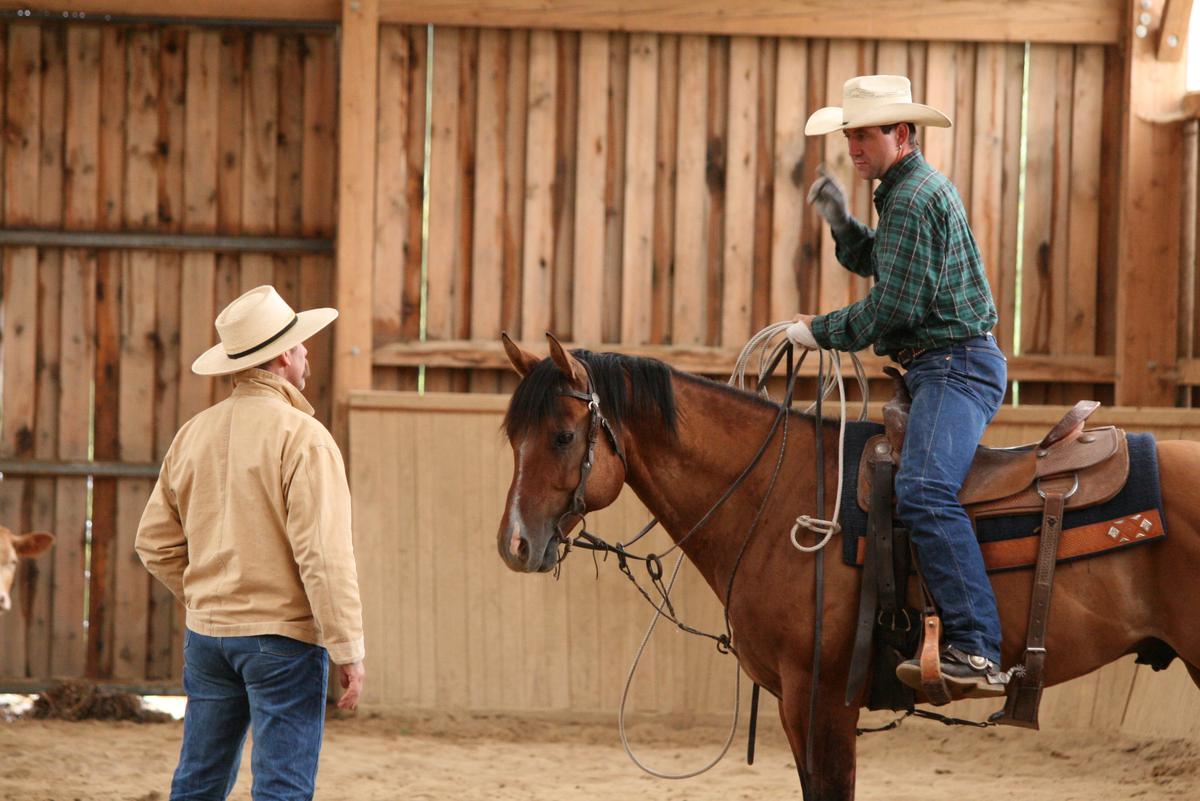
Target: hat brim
215 361
830 119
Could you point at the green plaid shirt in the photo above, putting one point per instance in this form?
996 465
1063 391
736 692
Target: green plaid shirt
930 287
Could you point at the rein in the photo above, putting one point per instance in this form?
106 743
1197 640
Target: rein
654 568
588 541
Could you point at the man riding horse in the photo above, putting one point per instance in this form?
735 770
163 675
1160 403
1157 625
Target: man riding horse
930 310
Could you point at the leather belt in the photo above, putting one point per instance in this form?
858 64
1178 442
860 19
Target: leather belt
906 356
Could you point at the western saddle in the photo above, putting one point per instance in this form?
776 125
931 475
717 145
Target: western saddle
1070 468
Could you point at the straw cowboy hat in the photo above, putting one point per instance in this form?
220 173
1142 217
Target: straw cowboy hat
256 328
874 100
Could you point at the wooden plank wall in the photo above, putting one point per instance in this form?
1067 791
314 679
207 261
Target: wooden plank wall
453 628
138 129
628 189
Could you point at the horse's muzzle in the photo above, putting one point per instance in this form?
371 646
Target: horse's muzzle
522 557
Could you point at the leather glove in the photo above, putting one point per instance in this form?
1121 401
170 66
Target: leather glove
829 199
800 334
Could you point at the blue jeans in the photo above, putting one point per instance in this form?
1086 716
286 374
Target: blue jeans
956 392
275 684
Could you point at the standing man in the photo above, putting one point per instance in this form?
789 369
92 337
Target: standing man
249 526
931 310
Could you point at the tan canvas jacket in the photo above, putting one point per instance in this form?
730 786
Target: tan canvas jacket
249 523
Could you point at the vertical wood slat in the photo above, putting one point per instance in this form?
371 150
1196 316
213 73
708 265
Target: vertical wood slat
20 330
662 281
762 287
260 132
110 215
787 215
1083 229
289 156
637 260
566 105
987 165
289 166
592 161
539 186
835 281
1037 280
393 200
1006 288
812 235
49 387
164 649
941 68
716 170
614 186
741 163
448 193
318 189
82 113
689 296
201 148
137 357
230 133
515 138
962 113
22 124
20 295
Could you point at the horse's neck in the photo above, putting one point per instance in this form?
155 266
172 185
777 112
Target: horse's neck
680 480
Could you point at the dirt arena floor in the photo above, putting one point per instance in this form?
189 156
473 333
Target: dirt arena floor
423 758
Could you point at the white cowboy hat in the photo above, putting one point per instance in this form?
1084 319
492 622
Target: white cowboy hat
874 100
256 328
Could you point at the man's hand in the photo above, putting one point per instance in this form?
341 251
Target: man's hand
800 332
829 199
352 676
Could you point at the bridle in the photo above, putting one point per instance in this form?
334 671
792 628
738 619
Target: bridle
596 422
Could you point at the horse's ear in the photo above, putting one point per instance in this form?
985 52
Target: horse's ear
522 361
569 365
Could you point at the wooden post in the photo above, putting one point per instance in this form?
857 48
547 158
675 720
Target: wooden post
357 107
1148 238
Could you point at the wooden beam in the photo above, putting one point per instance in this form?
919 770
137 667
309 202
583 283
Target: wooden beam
486 355
1172 37
1077 21
299 10
1148 232
357 114
1033 415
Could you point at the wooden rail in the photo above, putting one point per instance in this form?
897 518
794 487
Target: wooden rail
1090 21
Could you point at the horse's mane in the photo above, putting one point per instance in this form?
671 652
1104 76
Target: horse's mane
631 388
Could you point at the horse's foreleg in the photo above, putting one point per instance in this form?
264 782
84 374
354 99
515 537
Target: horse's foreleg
830 776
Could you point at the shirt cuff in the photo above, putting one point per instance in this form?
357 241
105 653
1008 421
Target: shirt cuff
346 653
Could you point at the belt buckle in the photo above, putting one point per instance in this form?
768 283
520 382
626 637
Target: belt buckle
906 356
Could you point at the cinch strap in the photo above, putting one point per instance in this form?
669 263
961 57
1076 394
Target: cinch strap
266 342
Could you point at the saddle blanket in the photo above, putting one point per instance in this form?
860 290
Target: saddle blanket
1132 517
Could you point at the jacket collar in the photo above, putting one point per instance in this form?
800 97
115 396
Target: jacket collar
266 384
898 172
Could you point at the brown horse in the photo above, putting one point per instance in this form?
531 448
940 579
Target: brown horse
680 441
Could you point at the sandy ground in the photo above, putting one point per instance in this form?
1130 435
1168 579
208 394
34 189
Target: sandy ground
421 758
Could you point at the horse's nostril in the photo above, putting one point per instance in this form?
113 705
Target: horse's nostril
523 549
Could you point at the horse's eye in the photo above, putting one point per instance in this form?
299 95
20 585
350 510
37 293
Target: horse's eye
564 438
